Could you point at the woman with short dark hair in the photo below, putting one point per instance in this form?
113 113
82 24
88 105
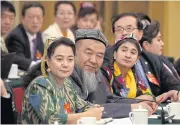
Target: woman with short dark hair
51 97
64 19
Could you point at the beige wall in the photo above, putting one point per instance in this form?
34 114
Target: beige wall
165 12
173 28
168 15
156 11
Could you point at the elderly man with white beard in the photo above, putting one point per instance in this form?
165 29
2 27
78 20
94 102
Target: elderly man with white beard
88 80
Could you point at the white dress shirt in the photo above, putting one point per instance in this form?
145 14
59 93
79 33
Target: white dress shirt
55 31
31 43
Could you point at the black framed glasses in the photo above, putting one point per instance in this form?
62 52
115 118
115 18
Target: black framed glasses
127 29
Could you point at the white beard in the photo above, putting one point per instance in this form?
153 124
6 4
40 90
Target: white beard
90 81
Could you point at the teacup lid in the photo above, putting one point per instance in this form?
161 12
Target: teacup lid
56 123
140 110
175 102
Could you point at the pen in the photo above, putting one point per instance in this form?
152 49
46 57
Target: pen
108 120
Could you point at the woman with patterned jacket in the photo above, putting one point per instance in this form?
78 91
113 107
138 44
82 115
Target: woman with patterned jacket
51 97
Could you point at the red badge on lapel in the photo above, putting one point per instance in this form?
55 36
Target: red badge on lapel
38 55
152 78
67 108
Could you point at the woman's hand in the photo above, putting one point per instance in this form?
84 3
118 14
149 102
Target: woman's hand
145 97
94 112
173 94
150 106
161 98
95 106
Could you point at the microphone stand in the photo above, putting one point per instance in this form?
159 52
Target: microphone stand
162 114
140 100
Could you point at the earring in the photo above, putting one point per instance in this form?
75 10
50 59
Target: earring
48 69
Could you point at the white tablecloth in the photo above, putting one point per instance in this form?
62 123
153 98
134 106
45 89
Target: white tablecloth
122 121
125 121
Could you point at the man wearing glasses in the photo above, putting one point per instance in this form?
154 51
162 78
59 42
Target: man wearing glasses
149 68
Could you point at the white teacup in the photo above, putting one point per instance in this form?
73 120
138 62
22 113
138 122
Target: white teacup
87 121
139 116
13 71
173 109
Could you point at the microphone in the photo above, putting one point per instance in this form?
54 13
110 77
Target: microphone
141 100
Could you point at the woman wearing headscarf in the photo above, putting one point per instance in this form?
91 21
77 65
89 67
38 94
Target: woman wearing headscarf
119 74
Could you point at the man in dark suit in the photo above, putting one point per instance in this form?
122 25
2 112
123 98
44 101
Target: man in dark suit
7 21
177 66
149 68
26 39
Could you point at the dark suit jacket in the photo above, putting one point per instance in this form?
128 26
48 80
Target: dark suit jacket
170 66
153 64
177 66
8 111
166 80
17 41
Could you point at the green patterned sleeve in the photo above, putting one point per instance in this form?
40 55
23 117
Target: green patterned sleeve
44 106
81 104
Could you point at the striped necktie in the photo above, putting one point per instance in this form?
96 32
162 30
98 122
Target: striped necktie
34 49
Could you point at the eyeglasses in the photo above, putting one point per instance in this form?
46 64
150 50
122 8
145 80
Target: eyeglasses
127 29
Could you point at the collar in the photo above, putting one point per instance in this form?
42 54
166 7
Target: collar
51 77
30 36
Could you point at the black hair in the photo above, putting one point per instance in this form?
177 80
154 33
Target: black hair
144 16
35 71
5 5
83 11
117 17
63 2
30 5
130 40
150 32
58 42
